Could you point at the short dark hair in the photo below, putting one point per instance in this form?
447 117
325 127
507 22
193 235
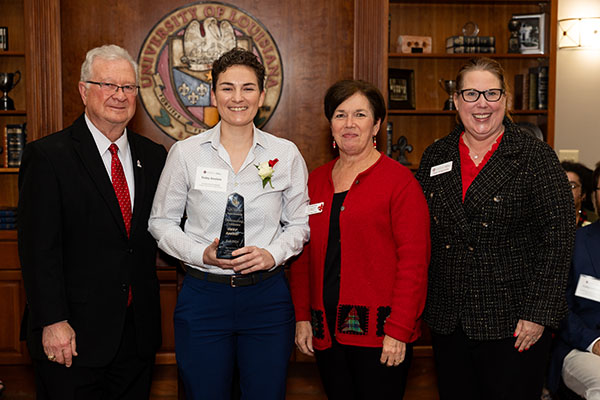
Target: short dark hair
583 172
238 56
342 90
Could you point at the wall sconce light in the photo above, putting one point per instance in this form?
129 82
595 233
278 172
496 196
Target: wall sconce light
579 33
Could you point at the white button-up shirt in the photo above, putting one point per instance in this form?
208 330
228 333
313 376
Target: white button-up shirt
124 154
275 218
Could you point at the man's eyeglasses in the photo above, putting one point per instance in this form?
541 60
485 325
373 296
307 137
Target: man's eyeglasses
472 95
111 88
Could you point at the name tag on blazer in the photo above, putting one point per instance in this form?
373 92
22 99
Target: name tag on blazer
315 208
441 169
588 287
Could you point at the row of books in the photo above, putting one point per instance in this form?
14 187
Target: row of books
14 143
471 44
8 218
531 89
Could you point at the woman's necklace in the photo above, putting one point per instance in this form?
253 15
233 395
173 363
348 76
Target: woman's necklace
479 154
476 156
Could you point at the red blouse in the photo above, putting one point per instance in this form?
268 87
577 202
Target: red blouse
468 169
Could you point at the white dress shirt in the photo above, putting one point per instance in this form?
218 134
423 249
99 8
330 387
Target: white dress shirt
275 218
124 153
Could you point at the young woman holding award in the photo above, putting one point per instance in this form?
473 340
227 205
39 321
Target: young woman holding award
244 194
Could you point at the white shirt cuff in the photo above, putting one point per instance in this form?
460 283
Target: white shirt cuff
591 346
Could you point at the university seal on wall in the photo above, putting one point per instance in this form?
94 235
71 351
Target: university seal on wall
176 58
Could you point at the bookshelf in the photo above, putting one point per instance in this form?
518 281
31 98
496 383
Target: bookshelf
440 20
34 50
13 17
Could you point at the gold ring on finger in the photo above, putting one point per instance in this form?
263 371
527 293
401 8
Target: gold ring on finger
52 357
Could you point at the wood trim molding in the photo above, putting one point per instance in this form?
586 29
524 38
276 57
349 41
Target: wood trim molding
371 41
43 66
371 36
552 77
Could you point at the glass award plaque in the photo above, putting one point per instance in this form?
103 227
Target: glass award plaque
232 231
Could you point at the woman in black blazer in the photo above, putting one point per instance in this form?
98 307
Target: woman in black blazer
502 228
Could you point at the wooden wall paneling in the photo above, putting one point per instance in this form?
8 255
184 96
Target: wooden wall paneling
44 105
12 303
315 40
371 41
168 300
8 249
422 378
9 193
371 35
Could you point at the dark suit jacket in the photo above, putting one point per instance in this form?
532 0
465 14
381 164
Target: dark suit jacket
76 258
503 254
582 324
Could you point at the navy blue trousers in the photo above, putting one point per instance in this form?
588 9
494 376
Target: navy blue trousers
215 325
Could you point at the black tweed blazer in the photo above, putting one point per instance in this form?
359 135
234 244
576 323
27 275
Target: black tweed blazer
503 254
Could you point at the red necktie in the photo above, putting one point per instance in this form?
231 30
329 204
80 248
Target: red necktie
120 185
122 191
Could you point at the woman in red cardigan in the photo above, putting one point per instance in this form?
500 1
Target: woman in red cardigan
359 286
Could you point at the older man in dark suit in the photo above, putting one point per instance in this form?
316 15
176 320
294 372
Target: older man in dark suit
88 261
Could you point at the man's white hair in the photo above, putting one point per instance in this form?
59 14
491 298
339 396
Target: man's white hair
106 52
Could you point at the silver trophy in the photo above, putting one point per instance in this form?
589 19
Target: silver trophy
7 82
450 88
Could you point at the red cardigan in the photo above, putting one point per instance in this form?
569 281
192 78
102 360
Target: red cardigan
385 249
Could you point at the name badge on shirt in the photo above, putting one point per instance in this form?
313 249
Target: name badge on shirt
588 287
441 169
212 179
315 208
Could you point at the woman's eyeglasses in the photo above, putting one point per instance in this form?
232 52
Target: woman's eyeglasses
472 95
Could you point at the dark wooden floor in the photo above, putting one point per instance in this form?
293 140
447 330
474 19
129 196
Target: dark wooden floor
303 382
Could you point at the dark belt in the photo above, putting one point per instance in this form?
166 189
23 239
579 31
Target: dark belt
237 280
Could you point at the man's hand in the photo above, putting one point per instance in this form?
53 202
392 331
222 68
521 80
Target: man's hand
59 343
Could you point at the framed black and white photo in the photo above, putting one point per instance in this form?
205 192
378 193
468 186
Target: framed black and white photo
401 89
532 33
